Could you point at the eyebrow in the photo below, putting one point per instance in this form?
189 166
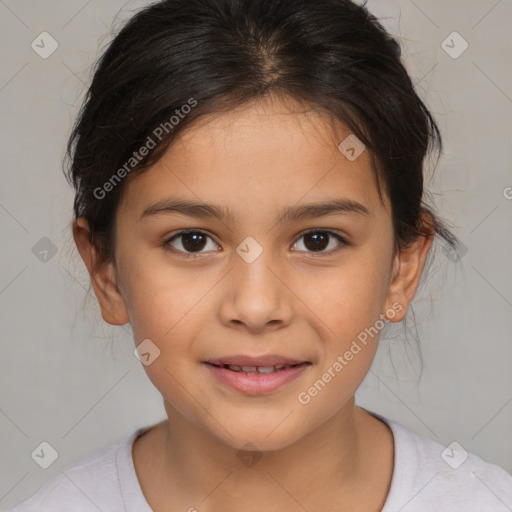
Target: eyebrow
288 214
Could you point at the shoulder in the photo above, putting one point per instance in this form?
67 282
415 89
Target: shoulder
430 476
90 484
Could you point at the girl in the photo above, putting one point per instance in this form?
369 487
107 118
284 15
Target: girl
249 197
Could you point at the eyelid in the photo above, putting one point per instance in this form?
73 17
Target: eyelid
339 237
167 242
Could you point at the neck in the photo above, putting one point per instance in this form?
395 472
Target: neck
207 474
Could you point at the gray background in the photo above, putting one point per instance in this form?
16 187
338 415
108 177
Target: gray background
71 380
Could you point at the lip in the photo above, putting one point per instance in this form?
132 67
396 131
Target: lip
266 360
256 383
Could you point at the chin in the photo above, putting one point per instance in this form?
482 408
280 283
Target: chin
261 434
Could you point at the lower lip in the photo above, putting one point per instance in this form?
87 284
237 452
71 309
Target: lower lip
256 383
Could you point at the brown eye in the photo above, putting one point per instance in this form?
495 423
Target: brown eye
318 241
190 241
193 241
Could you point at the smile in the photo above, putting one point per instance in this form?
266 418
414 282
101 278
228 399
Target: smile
256 369
254 380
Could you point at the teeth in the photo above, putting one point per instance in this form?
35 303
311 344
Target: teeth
266 369
257 369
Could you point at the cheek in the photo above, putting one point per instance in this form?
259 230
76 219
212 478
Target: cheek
169 315
350 309
350 302
349 298
161 300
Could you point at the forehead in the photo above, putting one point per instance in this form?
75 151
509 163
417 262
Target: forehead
266 154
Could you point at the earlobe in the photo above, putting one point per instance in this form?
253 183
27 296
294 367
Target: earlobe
102 274
407 270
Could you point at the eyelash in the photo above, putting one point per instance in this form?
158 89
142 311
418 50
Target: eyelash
182 232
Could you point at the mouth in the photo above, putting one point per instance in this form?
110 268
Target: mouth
265 360
256 375
259 369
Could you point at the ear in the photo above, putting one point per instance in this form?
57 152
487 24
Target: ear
113 309
407 268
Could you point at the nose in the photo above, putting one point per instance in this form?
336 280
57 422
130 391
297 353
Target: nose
255 297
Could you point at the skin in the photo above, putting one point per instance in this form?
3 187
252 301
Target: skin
328 454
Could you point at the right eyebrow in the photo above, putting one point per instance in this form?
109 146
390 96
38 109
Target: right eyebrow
186 207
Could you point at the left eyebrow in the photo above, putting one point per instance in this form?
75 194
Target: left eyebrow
288 214
312 210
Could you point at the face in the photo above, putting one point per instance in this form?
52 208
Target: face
260 276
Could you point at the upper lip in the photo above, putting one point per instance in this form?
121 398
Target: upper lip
268 360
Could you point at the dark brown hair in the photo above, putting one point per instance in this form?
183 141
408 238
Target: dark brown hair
216 55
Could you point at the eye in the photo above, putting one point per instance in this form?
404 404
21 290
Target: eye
318 240
194 242
191 241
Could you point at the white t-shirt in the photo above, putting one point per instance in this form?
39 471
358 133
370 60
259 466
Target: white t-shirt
427 477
